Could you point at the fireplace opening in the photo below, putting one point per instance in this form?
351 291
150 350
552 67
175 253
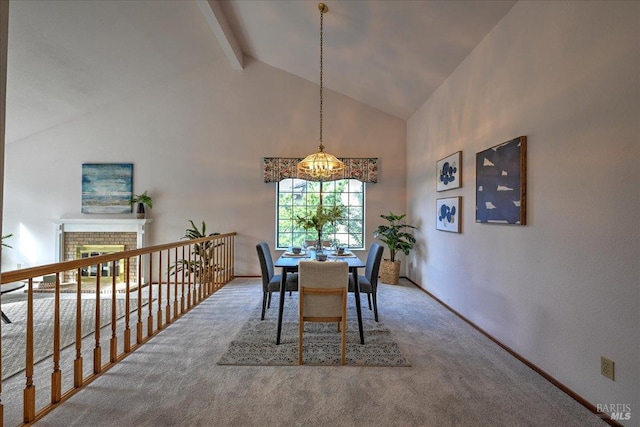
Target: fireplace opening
107 270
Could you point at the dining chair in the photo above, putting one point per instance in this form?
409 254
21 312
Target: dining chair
369 282
323 298
270 280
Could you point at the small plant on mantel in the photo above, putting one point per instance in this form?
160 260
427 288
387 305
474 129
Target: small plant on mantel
141 200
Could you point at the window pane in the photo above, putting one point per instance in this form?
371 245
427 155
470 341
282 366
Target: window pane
297 198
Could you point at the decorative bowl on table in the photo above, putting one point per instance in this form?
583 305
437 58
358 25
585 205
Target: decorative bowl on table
321 256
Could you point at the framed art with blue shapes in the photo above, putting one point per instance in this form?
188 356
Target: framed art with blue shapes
501 183
448 214
449 172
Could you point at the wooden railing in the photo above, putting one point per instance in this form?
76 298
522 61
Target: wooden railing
178 277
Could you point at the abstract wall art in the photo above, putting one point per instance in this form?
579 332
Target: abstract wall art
107 188
501 173
449 172
448 214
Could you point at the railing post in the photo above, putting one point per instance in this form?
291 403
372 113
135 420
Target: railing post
139 324
168 306
150 317
182 296
175 284
113 342
97 351
29 394
56 375
127 306
77 363
159 314
189 295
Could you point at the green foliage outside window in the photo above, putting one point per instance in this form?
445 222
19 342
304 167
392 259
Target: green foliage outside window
300 198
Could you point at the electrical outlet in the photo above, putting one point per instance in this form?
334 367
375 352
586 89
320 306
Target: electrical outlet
607 368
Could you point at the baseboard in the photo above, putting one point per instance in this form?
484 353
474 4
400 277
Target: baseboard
584 402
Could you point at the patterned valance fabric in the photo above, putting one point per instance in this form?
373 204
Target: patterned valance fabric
362 169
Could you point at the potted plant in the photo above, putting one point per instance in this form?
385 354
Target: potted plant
318 219
397 239
6 236
141 200
202 254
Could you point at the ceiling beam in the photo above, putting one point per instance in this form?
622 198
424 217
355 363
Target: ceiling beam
213 13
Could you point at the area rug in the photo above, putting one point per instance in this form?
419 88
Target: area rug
255 344
14 334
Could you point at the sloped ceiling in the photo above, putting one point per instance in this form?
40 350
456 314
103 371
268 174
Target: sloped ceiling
67 58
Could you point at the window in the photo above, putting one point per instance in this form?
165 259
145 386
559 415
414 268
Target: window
296 197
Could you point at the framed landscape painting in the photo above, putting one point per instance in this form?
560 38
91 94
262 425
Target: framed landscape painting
107 188
501 183
449 172
448 214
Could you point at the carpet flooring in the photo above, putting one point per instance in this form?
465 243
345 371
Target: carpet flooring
72 288
255 343
14 334
457 377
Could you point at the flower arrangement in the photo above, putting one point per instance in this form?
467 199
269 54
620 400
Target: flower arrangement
318 219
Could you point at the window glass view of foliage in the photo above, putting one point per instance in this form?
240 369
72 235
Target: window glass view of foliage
299 198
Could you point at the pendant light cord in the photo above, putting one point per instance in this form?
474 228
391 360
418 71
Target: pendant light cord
321 33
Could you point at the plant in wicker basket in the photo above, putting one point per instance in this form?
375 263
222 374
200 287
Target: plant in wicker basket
397 239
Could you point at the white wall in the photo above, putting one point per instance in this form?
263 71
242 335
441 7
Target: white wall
564 289
197 143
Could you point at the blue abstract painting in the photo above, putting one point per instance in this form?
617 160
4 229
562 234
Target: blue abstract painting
448 214
449 172
107 188
501 183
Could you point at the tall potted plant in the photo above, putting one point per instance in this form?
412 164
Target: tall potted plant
202 259
141 200
397 239
6 236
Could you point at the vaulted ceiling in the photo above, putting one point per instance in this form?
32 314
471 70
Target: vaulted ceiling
68 58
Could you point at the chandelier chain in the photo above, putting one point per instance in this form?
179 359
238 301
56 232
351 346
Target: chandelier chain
321 166
321 55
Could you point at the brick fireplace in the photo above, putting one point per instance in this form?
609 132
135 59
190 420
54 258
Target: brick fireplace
72 233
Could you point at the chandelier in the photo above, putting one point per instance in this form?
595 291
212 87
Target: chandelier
321 165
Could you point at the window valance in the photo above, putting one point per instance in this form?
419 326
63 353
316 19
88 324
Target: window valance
279 168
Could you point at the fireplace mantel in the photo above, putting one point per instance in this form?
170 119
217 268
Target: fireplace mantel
98 225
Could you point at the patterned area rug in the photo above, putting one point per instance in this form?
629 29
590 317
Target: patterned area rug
255 344
14 334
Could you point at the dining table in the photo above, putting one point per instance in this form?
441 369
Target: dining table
288 262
